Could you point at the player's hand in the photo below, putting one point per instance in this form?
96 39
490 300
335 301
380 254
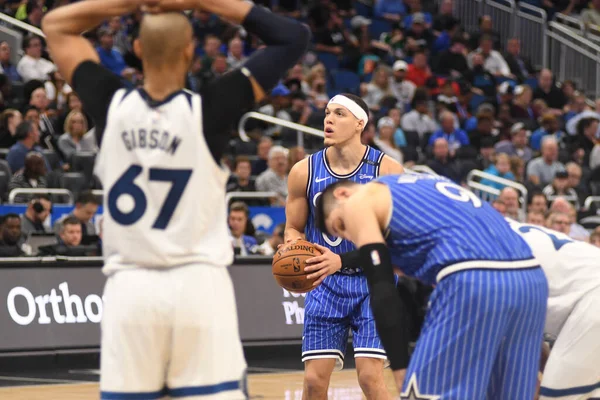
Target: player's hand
161 6
399 376
288 242
328 263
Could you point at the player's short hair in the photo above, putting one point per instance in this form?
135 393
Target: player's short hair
239 206
86 197
537 193
241 159
8 216
277 150
361 103
326 202
23 130
70 220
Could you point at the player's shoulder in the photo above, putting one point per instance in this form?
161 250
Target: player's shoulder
389 166
298 176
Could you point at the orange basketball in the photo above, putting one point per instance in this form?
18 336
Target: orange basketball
288 266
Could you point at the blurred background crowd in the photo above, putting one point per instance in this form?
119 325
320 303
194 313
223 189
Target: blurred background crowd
442 97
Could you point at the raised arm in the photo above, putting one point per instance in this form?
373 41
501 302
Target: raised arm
296 207
63 27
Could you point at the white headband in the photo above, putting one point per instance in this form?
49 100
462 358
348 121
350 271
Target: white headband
352 106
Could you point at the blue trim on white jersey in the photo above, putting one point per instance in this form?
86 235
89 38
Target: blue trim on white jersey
204 390
133 395
544 391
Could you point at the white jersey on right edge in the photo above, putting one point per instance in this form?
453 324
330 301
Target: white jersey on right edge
164 194
572 269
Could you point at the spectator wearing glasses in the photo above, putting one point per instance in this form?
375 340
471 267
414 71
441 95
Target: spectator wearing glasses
38 210
576 231
559 222
32 65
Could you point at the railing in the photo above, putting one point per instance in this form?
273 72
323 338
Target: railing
22 25
574 57
249 195
573 23
14 37
530 28
424 169
59 192
276 121
484 191
591 200
502 13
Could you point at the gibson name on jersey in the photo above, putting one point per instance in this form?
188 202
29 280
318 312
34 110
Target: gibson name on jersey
150 139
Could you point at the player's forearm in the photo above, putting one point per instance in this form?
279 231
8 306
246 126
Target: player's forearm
231 10
74 19
292 234
388 308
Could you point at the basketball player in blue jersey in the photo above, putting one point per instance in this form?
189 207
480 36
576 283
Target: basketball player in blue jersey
340 301
481 335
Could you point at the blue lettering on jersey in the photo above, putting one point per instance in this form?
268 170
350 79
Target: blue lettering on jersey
150 139
556 241
436 223
321 176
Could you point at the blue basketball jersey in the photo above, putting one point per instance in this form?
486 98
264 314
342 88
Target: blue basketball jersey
320 175
436 224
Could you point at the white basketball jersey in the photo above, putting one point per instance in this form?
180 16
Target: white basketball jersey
571 267
164 194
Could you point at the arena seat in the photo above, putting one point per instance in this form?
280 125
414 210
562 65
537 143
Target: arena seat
330 61
84 162
345 81
74 182
52 157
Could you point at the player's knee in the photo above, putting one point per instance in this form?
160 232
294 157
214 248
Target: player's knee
316 381
371 378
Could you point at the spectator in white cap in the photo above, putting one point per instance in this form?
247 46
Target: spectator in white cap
385 139
403 89
517 145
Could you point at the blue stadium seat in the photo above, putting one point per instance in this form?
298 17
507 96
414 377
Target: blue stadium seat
533 82
379 26
476 101
367 77
363 9
501 79
330 61
345 81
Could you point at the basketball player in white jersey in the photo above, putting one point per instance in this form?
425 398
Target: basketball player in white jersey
572 269
170 324
341 301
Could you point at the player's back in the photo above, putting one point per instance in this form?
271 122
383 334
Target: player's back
437 227
571 268
164 193
321 175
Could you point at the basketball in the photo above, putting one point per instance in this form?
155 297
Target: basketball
288 266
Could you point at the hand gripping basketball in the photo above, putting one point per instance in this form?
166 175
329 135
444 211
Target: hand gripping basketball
289 263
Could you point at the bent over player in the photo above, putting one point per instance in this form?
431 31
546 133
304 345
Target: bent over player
482 333
572 371
341 299
170 325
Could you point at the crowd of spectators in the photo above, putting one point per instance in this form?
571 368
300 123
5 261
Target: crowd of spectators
439 96
32 233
